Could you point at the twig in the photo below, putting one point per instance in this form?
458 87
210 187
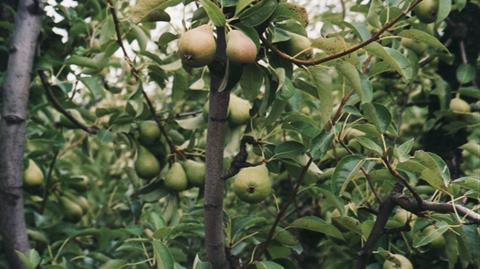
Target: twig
135 73
374 38
56 104
338 113
263 247
240 160
48 179
404 181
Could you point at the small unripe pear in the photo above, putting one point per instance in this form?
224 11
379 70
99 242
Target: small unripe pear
195 172
427 10
240 48
397 261
175 178
300 46
239 110
149 132
72 211
197 46
146 165
252 184
458 105
33 175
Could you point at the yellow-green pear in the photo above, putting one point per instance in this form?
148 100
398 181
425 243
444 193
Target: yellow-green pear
252 184
418 47
397 261
239 110
72 211
438 241
195 171
149 132
33 175
299 46
176 178
197 46
427 10
458 105
146 165
240 48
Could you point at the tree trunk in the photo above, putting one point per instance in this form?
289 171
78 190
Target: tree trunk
12 128
214 184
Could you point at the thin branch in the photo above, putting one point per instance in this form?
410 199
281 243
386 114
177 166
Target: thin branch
374 38
56 104
413 206
338 113
404 181
47 180
240 160
263 247
136 73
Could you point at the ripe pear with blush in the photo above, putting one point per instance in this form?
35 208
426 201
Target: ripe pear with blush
197 46
240 48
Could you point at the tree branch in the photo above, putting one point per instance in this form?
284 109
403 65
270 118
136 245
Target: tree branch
56 104
374 38
263 247
28 21
240 160
136 74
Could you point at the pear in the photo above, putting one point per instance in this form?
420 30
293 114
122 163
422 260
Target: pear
72 211
252 184
146 165
438 241
195 172
176 179
427 11
197 46
33 175
397 261
240 48
149 132
418 47
299 46
239 110
458 105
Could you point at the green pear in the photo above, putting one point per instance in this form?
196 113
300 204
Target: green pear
149 132
195 172
397 261
239 110
438 240
72 210
197 46
146 165
240 48
418 47
33 175
176 178
427 11
458 105
252 184
299 46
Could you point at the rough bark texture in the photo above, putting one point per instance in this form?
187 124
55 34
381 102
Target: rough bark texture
12 129
214 184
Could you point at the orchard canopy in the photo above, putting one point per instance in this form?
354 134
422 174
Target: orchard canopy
240 134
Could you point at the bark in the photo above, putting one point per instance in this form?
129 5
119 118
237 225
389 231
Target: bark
214 184
12 128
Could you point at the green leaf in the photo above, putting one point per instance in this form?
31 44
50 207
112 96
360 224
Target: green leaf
436 173
347 166
369 144
162 255
444 8
251 81
378 115
241 5
214 12
258 13
423 240
30 260
289 150
394 58
451 249
152 10
402 152
350 72
469 183
192 123
465 73
268 265
113 264
321 144
317 224
421 36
